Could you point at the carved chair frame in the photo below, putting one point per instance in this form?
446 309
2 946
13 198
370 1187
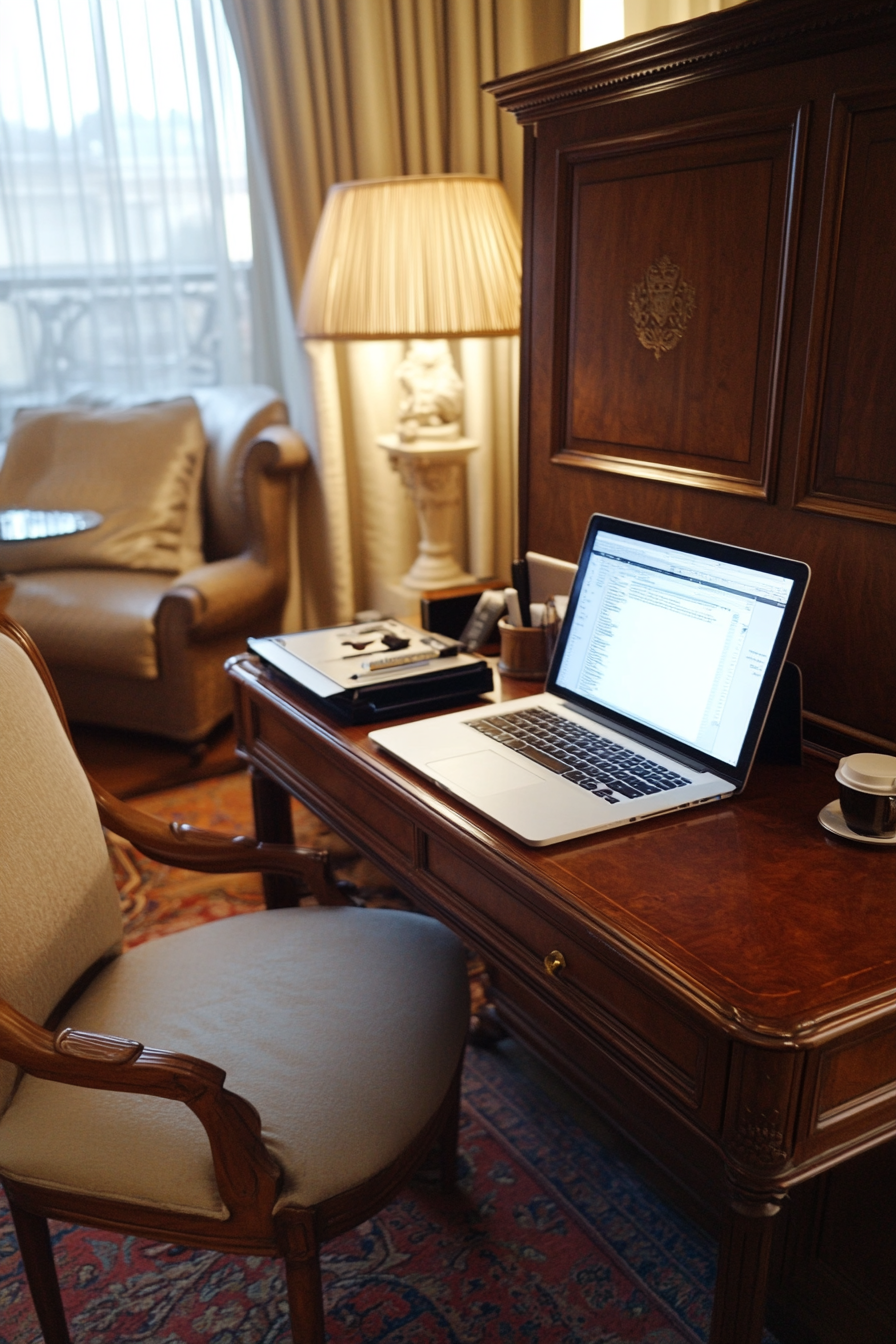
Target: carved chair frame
248 1177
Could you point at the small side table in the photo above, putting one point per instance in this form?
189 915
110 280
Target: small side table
36 524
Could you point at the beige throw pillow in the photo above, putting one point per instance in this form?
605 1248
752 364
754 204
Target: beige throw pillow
140 467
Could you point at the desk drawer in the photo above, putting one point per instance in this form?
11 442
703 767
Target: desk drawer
595 985
328 788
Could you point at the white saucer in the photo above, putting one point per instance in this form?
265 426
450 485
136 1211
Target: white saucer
831 819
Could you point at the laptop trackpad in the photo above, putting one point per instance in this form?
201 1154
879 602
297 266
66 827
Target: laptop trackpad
482 773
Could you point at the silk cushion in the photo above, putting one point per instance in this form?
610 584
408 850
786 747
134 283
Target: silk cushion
140 467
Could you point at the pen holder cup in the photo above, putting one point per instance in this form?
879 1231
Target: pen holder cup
524 651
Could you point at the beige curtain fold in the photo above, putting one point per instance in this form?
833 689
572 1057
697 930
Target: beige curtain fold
642 15
354 89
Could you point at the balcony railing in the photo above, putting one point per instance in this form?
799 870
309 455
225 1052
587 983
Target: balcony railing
65 334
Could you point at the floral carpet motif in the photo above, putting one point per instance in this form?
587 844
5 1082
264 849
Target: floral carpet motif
549 1239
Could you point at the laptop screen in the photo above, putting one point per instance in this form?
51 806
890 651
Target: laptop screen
678 636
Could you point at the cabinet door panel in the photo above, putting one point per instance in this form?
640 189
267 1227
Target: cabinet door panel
679 279
850 463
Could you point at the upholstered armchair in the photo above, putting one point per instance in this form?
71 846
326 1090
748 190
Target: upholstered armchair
339 1033
137 619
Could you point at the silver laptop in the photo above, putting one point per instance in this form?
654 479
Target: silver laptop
657 693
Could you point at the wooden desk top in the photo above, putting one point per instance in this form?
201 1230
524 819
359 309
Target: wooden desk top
748 905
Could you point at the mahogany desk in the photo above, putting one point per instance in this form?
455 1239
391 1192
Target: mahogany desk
727 992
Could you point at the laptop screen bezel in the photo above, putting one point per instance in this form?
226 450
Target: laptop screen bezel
795 570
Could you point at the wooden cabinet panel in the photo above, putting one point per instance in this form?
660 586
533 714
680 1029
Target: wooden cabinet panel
856 1077
833 1279
850 457
679 247
756 149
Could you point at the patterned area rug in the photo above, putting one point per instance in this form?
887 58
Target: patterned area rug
158 899
549 1238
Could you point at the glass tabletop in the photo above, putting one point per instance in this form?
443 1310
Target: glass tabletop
35 524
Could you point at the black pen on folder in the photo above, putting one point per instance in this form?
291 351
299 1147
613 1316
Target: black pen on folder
520 571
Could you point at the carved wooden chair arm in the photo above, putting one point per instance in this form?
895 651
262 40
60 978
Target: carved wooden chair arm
207 851
246 1173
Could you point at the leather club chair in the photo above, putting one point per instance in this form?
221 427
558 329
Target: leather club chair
341 1031
144 650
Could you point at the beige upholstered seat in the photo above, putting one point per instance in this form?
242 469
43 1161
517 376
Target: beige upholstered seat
299 1007
136 625
342 1028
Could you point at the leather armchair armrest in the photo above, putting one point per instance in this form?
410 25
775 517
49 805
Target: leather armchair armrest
222 595
277 452
243 1166
277 448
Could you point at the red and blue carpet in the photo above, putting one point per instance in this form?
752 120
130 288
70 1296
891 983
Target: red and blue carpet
549 1239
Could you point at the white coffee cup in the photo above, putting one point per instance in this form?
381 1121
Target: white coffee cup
868 793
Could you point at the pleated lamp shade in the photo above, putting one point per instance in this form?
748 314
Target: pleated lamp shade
409 257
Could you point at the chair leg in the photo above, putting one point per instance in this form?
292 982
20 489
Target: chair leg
36 1249
304 1289
449 1135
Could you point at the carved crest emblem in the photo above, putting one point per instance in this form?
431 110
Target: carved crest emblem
661 306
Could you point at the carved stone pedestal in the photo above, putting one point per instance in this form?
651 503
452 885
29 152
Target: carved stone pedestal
432 472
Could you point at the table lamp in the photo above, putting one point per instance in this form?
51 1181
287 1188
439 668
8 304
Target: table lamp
419 259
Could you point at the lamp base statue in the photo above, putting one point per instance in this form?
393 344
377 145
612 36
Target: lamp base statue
431 469
429 455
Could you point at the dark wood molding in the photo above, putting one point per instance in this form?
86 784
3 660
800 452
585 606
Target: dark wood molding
747 37
526 337
832 740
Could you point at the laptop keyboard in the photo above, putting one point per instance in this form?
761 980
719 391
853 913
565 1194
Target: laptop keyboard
582 756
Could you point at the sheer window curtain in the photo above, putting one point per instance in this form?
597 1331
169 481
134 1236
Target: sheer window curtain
125 238
339 90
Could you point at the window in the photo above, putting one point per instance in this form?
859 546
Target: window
125 242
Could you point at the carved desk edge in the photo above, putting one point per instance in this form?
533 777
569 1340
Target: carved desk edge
432 813
759 1113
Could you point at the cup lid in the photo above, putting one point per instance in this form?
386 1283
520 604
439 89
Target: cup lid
868 771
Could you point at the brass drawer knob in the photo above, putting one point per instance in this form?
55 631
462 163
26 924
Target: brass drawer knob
554 962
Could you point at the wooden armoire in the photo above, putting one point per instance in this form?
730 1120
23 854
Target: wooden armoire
709 345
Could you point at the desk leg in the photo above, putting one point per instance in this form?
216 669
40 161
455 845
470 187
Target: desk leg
273 822
738 1309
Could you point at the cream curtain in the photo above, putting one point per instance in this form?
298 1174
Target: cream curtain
641 15
348 89
125 245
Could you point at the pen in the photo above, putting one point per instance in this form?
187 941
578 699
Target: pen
520 573
384 671
385 661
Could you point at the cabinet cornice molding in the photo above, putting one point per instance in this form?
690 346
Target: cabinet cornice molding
748 37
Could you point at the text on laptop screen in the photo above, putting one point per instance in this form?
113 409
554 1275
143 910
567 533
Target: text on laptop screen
675 641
